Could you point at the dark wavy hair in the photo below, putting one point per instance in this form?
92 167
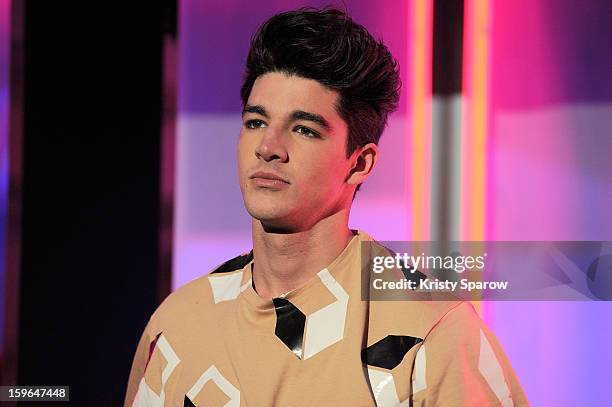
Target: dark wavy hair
328 46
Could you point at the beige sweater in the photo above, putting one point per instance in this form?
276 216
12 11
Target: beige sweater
216 342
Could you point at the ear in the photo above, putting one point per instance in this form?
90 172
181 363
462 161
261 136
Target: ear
364 159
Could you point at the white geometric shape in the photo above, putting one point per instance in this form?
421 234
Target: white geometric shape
384 390
212 373
326 326
246 285
145 396
493 373
419 381
225 287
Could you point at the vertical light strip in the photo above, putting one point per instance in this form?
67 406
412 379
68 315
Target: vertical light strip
420 154
475 125
475 121
5 45
168 154
11 89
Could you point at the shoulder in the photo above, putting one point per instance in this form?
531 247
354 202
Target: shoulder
425 309
460 316
438 315
197 294
459 329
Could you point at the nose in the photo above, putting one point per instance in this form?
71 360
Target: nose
272 146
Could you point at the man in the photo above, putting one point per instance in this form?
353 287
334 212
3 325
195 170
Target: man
285 324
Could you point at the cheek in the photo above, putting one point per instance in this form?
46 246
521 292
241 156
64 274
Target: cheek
243 153
327 172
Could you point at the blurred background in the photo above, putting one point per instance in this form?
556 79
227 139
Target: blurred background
118 182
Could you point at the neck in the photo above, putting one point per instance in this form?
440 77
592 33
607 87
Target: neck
285 261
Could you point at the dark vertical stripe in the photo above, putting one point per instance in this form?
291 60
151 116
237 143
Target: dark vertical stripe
447 47
91 199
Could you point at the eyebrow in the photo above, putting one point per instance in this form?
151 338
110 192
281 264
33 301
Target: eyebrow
255 109
295 115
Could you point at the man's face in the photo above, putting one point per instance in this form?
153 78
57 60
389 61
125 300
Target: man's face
292 160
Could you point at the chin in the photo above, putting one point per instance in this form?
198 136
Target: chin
274 217
266 211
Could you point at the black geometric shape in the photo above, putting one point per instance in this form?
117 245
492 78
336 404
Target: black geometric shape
290 323
152 348
234 264
187 402
389 352
411 274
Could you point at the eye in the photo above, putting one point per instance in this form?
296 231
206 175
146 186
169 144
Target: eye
307 132
254 124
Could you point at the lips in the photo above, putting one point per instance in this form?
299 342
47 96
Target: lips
267 175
